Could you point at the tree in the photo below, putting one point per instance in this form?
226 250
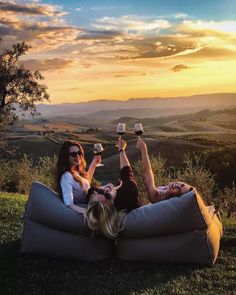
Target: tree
19 87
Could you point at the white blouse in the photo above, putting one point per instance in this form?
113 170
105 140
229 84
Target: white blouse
72 191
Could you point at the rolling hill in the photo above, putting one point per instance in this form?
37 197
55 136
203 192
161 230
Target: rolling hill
206 120
141 107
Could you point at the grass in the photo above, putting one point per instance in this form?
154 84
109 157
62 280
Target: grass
39 275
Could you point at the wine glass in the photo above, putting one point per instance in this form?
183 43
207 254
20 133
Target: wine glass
138 128
98 149
120 129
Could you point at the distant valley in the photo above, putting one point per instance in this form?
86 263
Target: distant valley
105 110
173 135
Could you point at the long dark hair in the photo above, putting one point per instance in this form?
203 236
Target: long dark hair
63 164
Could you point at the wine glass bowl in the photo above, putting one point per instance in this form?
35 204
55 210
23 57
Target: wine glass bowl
121 129
98 149
138 129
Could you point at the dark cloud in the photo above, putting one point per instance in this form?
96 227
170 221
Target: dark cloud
159 47
99 35
180 67
4 31
32 9
39 35
48 64
26 22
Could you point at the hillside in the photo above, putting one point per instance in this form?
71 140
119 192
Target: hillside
157 106
206 120
43 136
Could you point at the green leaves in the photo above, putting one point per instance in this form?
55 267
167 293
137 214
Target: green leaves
19 87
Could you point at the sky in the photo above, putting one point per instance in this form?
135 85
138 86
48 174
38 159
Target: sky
121 49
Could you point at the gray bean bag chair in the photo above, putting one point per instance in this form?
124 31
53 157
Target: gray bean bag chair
53 229
179 230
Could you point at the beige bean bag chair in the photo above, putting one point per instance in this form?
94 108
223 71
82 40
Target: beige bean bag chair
178 230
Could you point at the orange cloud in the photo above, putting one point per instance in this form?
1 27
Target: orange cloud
180 67
48 64
211 53
129 74
141 49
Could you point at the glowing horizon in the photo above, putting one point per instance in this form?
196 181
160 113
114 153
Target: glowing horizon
126 49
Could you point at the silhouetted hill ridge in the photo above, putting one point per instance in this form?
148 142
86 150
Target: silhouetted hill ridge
165 106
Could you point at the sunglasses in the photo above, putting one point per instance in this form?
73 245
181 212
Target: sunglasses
107 195
75 154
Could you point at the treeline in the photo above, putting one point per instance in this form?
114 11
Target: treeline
221 161
18 175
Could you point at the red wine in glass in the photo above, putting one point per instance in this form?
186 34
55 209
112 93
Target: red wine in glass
138 128
98 149
120 129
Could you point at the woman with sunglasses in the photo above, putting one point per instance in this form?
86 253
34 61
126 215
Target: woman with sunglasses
72 180
108 204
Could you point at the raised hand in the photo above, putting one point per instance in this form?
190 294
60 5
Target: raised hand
121 144
97 160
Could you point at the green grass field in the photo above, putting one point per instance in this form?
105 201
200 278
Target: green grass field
39 275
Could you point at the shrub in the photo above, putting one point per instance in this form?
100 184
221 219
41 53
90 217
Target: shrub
194 173
4 174
46 171
18 175
227 201
24 175
162 175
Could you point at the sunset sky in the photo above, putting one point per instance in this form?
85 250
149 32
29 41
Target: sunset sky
119 49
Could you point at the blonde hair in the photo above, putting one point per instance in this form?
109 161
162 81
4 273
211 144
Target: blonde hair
105 217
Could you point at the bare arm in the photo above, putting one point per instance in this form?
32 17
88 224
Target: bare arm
152 190
92 167
123 157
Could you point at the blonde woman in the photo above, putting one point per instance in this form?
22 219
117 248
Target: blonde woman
108 204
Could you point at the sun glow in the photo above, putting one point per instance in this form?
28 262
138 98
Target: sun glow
118 57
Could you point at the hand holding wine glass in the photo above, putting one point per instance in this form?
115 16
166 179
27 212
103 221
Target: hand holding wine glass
98 149
138 128
120 129
121 144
